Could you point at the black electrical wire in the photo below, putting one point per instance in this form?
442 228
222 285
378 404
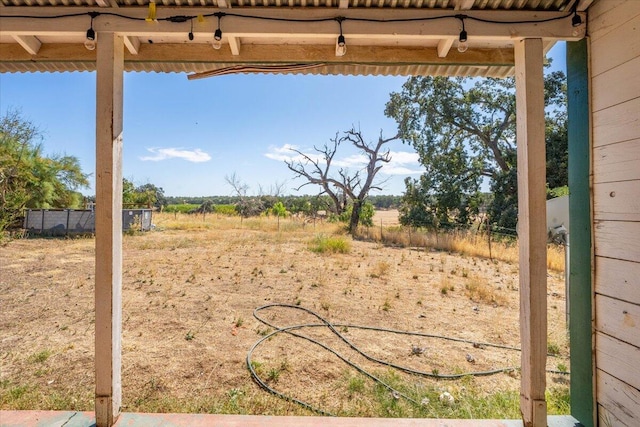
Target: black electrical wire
332 327
181 18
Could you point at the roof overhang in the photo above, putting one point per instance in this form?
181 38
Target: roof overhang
390 41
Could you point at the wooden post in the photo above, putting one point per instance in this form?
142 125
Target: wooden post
108 291
489 238
532 229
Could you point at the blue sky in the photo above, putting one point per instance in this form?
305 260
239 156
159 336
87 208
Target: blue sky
186 136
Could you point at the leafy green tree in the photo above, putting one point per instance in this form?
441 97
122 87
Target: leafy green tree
29 178
464 131
366 214
278 210
151 195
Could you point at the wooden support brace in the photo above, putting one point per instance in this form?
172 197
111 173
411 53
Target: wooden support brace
532 228
108 290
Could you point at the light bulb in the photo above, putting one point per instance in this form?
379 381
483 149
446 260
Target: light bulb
341 46
462 47
90 44
217 39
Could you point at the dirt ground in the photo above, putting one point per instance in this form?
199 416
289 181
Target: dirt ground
188 302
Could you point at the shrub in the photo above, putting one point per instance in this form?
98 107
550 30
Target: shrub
330 244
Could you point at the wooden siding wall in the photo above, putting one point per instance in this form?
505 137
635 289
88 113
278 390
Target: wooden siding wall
614 29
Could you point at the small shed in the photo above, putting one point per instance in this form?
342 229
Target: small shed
63 222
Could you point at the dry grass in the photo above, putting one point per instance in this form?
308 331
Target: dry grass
465 243
189 291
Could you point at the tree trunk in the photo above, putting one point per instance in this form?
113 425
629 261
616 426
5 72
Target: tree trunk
355 217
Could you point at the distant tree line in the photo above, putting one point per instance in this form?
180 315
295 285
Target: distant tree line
293 204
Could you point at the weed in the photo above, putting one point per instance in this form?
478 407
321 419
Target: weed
480 291
189 336
356 385
258 367
239 322
386 306
263 332
562 368
273 375
40 357
380 269
553 349
330 244
325 305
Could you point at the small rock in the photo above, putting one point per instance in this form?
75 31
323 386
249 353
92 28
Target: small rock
425 401
476 309
395 395
417 350
422 316
446 398
470 358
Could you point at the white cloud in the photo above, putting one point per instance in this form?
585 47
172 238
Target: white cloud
283 153
404 157
402 163
398 170
195 156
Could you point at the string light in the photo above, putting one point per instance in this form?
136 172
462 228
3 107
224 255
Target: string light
90 42
217 35
576 21
462 39
341 44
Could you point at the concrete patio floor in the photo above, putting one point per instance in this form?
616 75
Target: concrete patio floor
87 419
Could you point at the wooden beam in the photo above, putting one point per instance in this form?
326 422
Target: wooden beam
532 233
108 290
234 45
235 26
344 4
30 43
444 46
202 53
132 44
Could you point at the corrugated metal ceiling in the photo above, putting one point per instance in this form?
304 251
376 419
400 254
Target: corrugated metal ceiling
36 64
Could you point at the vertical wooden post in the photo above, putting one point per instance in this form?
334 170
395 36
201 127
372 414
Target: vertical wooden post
580 262
108 291
532 229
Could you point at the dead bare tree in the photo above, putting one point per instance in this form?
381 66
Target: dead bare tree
344 185
246 206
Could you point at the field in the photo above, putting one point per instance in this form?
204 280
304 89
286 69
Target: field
190 289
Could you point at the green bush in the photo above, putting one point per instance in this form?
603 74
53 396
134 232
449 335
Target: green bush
330 244
229 210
